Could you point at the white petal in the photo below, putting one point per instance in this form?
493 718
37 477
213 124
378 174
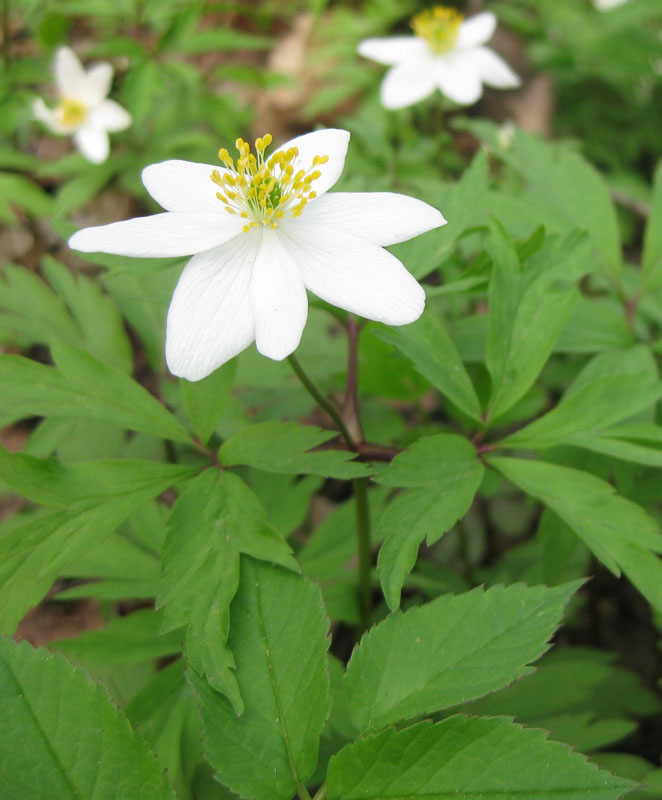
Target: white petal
280 303
331 142
382 218
159 236
407 83
110 116
476 30
44 114
393 49
97 83
354 274
183 186
93 143
493 69
458 78
69 74
210 318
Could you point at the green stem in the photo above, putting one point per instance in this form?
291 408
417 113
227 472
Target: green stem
321 400
365 549
320 794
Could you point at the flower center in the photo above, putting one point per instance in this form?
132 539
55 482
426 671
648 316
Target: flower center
264 190
71 112
439 26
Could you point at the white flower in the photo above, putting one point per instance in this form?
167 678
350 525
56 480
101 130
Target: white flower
260 236
447 53
607 5
83 110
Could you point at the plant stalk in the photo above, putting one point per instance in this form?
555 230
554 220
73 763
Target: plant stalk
364 549
321 400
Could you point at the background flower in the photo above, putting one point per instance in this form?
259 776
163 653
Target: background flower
84 112
283 234
448 54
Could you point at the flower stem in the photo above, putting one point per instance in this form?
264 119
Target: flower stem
321 400
365 548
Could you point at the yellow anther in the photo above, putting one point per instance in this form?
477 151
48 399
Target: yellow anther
439 26
265 191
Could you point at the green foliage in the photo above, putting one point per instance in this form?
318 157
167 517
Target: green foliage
279 639
214 521
465 757
442 475
429 662
212 551
46 703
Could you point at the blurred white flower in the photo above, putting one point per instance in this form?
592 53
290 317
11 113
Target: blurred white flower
447 53
260 236
606 5
83 111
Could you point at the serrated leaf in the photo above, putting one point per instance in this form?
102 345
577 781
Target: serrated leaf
651 260
283 447
213 522
32 555
450 650
443 475
569 192
613 386
83 387
464 758
96 315
125 640
206 400
528 309
68 739
165 714
620 533
51 483
431 350
279 639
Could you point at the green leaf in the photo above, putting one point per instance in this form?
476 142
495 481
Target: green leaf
164 713
567 191
33 554
528 309
33 309
282 447
432 352
571 680
279 638
450 650
125 640
214 521
51 483
464 758
68 739
651 261
619 532
613 386
96 315
442 474
26 195
83 387
206 400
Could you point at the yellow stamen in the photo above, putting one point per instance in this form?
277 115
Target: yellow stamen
265 191
439 26
71 112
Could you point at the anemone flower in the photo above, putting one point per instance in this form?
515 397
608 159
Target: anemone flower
84 112
447 53
262 230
